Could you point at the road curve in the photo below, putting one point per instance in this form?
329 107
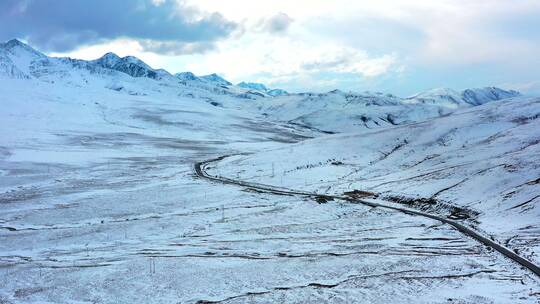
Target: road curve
200 171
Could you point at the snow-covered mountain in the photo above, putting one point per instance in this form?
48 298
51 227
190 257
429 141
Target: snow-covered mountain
335 111
277 92
253 85
262 88
216 79
338 111
125 74
130 65
187 76
454 99
15 59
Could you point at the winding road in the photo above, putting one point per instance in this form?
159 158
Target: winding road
200 172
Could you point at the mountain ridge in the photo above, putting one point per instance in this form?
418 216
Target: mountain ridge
262 88
17 58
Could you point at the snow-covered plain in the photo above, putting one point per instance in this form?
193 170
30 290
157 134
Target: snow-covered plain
99 202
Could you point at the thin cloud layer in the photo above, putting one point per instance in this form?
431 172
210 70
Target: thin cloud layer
175 48
278 23
63 25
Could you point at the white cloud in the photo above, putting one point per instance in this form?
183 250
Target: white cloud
282 58
342 41
348 60
278 23
468 32
454 31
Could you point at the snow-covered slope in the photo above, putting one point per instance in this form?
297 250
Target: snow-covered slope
338 111
253 85
262 88
454 99
215 78
187 76
16 58
129 65
277 92
484 159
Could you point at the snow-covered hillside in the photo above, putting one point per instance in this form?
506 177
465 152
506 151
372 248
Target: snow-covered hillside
484 159
262 88
339 111
453 99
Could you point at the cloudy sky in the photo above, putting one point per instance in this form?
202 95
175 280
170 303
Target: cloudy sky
387 45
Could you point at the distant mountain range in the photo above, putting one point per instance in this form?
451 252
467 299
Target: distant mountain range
334 111
338 111
18 60
262 88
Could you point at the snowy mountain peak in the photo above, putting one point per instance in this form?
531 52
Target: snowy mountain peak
277 92
216 78
186 76
453 99
482 95
12 43
262 88
108 60
253 85
436 92
16 58
130 65
137 61
18 48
